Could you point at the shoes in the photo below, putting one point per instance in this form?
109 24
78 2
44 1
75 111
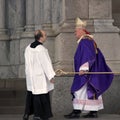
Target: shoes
91 114
73 114
26 117
36 118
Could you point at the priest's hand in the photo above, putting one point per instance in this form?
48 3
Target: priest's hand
52 80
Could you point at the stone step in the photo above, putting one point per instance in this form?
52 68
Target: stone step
12 102
60 117
11 109
9 93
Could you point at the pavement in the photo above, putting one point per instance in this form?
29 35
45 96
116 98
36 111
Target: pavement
60 117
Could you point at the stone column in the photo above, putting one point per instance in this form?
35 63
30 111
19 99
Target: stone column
3 35
38 14
20 7
20 19
47 16
47 11
56 4
30 25
29 15
16 37
4 43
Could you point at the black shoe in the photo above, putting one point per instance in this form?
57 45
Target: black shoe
36 118
73 114
91 114
26 117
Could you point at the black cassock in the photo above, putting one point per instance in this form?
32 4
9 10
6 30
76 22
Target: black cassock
39 105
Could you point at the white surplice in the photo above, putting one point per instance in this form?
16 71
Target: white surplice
81 101
39 70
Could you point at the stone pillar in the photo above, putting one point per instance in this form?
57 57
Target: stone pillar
20 8
4 43
47 16
47 11
3 35
38 13
16 37
56 15
29 15
20 19
30 25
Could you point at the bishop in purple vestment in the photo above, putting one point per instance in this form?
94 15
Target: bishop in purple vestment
87 89
97 84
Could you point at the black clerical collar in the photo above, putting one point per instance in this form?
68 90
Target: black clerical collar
35 44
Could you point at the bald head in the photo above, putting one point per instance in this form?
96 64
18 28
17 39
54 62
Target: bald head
40 35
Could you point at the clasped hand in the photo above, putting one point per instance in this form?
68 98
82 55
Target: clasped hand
82 72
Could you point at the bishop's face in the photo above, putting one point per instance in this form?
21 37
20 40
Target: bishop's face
79 32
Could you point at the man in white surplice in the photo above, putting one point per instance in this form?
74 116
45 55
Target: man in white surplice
39 79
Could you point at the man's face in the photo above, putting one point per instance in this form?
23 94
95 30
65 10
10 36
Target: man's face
79 32
44 36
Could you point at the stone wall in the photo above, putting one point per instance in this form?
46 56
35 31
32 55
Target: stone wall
20 18
57 18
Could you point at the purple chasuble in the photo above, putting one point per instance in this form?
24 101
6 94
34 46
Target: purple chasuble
97 84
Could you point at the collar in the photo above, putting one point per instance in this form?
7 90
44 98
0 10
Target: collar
91 36
35 44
